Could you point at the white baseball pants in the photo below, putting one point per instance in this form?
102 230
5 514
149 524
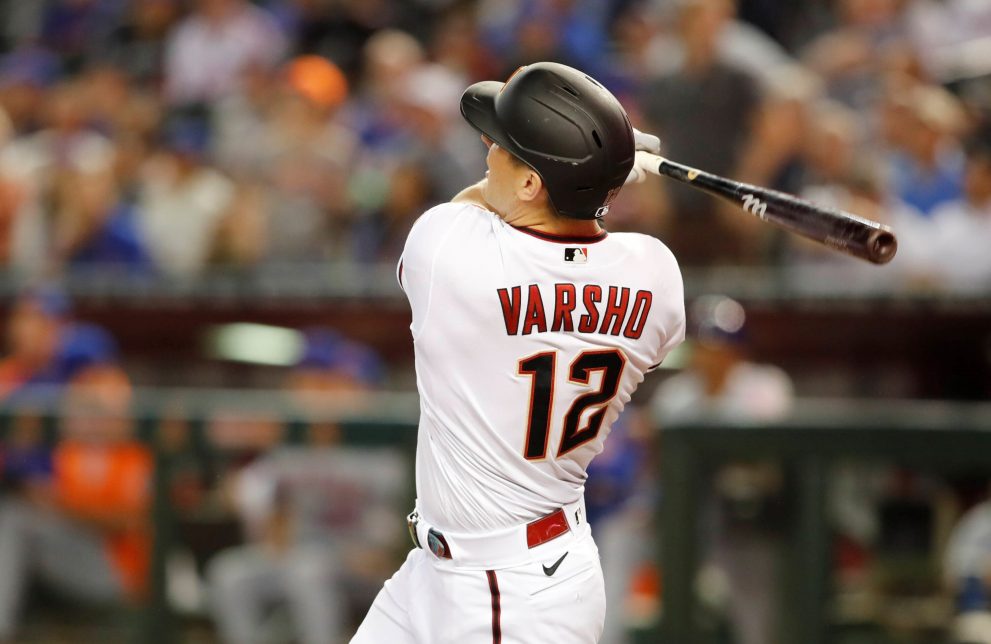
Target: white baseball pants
432 601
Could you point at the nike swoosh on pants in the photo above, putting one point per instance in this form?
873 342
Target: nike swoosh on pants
550 570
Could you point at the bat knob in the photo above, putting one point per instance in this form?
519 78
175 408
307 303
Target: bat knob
882 247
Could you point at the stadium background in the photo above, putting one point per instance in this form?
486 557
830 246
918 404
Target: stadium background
201 205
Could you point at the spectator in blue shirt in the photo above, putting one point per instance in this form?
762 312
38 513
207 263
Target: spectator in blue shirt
922 125
96 227
46 349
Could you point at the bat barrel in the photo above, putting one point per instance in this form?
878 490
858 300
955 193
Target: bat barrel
831 227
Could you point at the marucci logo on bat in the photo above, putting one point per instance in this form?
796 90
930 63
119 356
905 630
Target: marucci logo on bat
754 205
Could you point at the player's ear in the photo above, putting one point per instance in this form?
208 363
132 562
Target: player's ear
529 186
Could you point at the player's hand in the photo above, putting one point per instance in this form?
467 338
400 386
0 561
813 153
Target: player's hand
646 142
642 160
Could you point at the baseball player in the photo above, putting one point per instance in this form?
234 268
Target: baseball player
532 327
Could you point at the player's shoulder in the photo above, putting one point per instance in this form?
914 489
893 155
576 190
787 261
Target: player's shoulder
452 210
646 247
445 217
445 224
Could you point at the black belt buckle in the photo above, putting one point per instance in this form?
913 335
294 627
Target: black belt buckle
412 519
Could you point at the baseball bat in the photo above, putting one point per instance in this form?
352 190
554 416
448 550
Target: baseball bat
831 227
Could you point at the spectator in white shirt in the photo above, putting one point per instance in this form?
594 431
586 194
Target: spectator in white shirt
182 201
743 515
962 228
209 49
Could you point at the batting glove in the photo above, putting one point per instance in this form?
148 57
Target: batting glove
646 142
644 163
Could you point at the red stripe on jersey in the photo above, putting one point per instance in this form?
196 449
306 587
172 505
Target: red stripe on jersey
564 239
496 607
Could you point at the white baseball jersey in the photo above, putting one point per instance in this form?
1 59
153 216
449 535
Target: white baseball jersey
527 348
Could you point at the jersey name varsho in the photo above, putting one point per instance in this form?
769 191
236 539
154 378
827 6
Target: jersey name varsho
605 310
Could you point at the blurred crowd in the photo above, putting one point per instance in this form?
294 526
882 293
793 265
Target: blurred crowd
278 529
73 512
163 138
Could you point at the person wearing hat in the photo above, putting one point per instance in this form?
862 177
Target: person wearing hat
47 349
532 326
83 530
308 509
744 504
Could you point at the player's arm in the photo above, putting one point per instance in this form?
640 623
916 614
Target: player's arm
420 254
669 299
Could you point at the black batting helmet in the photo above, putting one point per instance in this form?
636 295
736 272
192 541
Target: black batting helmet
565 125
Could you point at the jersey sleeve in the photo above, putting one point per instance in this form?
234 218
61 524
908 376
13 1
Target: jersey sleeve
415 269
670 292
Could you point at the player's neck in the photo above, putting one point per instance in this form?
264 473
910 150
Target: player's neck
546 221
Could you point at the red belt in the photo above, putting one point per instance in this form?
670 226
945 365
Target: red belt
546 528
538 532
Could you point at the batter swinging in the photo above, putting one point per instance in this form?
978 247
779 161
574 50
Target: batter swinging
532 327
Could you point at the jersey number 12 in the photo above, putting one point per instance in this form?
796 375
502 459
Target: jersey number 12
541 369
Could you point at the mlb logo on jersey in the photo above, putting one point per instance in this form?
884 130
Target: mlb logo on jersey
576 255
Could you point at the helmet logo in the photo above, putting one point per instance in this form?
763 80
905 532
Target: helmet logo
610 196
